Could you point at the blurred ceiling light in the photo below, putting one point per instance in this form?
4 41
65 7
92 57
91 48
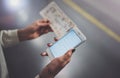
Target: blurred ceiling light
15 4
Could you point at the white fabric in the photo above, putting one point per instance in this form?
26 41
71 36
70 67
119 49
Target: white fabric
7 38
37 76
3 67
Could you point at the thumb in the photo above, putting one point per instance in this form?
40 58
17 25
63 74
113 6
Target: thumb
67 57
68 54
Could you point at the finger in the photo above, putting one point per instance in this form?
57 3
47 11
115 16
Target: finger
73 50
65 62
56 39
66 58
44 20
49 44
68 54
43 24
49 28
44 54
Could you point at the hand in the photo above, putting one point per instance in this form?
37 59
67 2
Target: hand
35 30
56 65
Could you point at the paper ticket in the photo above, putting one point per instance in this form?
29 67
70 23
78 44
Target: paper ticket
60 22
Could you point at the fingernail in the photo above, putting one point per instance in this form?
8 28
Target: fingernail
73 50
55 39
49 44
43 54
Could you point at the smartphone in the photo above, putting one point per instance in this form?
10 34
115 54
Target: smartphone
71 40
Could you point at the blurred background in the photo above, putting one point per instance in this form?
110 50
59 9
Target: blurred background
98 57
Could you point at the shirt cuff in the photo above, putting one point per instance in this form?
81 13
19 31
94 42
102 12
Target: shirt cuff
10 37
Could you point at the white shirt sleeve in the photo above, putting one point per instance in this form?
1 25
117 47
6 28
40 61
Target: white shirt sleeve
37 76
8 37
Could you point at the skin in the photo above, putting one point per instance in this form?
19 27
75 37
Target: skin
56 65
35 30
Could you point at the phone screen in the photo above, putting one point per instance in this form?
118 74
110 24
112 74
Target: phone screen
69 41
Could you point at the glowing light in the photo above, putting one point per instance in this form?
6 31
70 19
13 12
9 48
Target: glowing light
14 3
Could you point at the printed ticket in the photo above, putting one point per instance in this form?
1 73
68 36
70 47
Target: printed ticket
60 22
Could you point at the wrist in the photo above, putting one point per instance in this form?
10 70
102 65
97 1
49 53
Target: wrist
22 35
